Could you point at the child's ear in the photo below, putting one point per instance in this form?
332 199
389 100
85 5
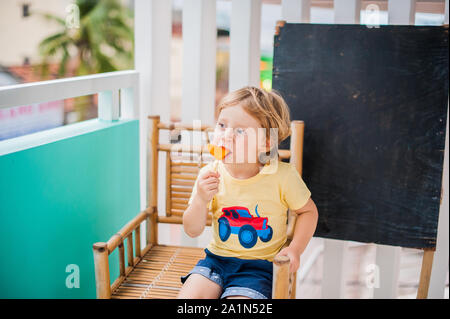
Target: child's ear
271 143
268 145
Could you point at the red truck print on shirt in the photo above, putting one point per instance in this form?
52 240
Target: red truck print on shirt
238 220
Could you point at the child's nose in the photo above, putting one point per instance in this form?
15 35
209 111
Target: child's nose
228 133
224 137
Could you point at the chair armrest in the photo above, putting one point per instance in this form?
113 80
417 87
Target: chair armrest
102 250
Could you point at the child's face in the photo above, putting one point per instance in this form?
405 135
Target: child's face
240 133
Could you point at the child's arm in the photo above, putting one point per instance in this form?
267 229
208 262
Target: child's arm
305 227
194 218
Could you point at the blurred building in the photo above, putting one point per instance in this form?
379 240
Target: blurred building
20 46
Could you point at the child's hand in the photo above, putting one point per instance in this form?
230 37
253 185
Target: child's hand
208 186
294 257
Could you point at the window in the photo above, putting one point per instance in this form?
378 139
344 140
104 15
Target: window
244 213
25 10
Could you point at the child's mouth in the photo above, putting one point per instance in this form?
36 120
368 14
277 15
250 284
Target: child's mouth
227 156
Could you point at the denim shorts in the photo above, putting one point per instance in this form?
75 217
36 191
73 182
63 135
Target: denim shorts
237 277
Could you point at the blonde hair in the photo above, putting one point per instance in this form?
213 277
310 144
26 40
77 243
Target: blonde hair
269 108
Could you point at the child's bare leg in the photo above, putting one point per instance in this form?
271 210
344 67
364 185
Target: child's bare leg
199 287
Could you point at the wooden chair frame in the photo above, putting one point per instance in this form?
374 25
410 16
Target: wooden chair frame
284 284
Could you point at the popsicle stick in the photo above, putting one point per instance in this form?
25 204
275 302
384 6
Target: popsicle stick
216 162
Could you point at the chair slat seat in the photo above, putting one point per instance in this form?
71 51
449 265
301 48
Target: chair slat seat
160 268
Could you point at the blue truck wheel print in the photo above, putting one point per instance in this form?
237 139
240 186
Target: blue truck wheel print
267 236
247 236
238 220
224 229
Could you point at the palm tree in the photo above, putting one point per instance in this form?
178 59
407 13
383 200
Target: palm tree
103 42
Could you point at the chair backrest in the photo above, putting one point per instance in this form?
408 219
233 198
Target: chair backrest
183 163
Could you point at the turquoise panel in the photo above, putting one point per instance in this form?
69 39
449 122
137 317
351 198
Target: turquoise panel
59 198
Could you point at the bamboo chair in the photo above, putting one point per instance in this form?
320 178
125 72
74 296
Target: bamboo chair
155 270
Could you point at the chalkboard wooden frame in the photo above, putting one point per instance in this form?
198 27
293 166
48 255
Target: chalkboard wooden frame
374 102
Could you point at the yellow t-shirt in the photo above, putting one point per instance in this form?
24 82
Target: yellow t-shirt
249 215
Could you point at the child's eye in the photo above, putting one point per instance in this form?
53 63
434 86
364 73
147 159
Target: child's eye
239 131
220 125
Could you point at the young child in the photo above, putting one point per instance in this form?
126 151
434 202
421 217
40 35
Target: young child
250 208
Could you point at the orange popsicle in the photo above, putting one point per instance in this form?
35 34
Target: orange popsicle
219 152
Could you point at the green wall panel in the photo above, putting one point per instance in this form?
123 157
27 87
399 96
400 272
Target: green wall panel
57 199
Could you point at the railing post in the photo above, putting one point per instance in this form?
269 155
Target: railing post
153 33
108 105
129 106
401 12
334 261
347 11
446 12
335 251
388 257
296 11
387 261
245 33
199 61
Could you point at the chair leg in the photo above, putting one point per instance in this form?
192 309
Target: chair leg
425 274
293 285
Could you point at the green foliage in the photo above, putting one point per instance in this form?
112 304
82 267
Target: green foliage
103 42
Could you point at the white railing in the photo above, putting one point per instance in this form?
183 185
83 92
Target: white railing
107 85
118 98
152 22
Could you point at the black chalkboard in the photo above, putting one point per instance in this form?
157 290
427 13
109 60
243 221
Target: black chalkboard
374 102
